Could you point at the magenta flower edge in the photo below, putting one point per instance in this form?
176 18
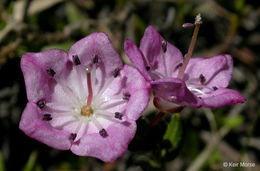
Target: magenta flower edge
84 100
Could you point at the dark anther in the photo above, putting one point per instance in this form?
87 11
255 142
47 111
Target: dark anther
126 96
47 117
147 68
164 46
41 104
51 72
202 79
95 59
103 133
72 136
76 59
179 65
116 72
215 88
119 115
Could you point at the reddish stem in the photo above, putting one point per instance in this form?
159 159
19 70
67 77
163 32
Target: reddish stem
198 22
90 91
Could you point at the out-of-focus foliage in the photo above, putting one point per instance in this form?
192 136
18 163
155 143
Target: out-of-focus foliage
193 139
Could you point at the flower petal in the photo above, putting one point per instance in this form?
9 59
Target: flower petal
136 57
99 44
39 68
35 127
165 63
139 89
222 97
108 148
217 70
175 91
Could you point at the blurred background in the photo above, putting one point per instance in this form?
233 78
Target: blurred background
195 139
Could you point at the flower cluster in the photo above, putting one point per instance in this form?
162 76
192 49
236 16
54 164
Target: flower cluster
88 101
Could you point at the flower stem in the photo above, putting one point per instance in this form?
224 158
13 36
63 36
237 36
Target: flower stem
197 23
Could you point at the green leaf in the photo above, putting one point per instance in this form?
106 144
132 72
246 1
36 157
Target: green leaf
2 164
31 162
174 131
234 121
73 13
64 46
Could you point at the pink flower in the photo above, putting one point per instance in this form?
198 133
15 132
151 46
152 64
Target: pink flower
84 100
203 84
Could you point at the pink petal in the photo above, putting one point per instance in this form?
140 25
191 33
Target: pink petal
136 57
222 97
217 70
35 68
107 149
35 127
174 90
151 46
99 44
139 89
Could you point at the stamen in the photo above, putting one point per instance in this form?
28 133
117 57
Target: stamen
164 48
197 23
116 72
95 59
41 104
113 104
119 115
126 96
76 59
47 117
68 91
147 68
103 133
215 88
202 79
50 72
90 92
72 136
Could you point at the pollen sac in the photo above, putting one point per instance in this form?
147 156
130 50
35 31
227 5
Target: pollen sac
41 104
126 96
50 72
164 46
202 79
95 59
76 59
72 136
116 72
147 68
179 65
103 133
118 115
215 88
47 117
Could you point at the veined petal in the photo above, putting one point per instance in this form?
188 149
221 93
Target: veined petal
151 45
139 89
164 62
107 149
33 125
222 97
137 58
217 71
175 90
96 44
39 68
